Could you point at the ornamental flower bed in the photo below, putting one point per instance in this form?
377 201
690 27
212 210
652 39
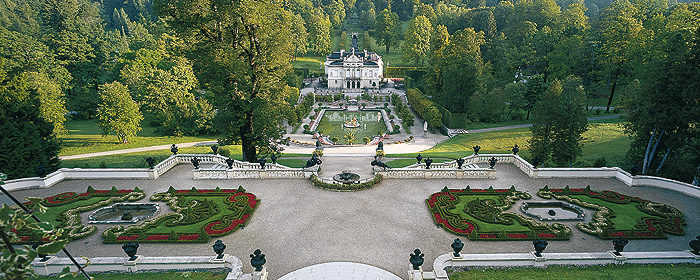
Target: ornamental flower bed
199 216
481 215
653 220
63 211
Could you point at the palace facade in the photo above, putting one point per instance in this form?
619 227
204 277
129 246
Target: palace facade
354 70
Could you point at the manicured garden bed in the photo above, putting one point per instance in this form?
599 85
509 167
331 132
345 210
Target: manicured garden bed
480 215
199 216
613 271
621 215
64 211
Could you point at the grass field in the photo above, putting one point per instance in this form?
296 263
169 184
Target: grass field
626 271
172 275
605 138
86 137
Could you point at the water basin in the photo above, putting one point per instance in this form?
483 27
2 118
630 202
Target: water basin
124 213
552 210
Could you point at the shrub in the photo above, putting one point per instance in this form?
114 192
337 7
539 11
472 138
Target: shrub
600 162
334 139
224 151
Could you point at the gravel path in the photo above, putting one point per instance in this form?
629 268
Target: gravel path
298 225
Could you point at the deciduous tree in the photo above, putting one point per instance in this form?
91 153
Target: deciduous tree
417 40
117 112
387 29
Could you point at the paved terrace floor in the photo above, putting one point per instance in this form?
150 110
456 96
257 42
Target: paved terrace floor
298 225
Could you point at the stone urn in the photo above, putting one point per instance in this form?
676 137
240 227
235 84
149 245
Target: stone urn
130 249
229 162
215 149
492 162
219 248
262 163
428 162
273 157
620 244
195 161
515 150
476 150
695 244
257 260
173 149
419 158
460 162
540 245
151 162
417 259
457 246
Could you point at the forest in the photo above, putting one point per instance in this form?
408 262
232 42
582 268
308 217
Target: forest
195 67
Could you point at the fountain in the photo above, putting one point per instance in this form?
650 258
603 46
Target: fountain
124 213
346 177
552 210
352 123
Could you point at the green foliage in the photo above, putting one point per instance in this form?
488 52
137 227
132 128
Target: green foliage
611 271
424 107
319 26
118 113
387 29
417 40
346 187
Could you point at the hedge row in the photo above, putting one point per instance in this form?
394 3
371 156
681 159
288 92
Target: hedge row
69 219
402 110
657 218
425 108
483 210
199 216
346 187
399 72
302 110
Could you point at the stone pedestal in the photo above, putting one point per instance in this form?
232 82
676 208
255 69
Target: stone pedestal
130 266
220 260
617 257
415 274
538 259
40 267
260 275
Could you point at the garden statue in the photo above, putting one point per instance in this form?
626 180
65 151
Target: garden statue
262 163
492 162
419 158
229 162
41 171
173 149
273 157
515 150
425 126
195 161
379 163
127 216
540 245
151 161
428 162
457 246
417 259
635 170
695 244
219 248
460 162
620 244
476 150
44 257
314 160
257 260
130 249
380 145
215 149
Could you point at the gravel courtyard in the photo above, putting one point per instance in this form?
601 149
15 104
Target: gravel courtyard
298 225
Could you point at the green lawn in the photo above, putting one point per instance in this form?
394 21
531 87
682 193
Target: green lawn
626 271
138 160
605 138
85 136
172 275
332 125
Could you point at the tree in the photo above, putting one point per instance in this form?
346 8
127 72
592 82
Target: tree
387 29
417 40
336 13
320 32
558 121
618 29
242 49
117 112
27 141
341 41
300 38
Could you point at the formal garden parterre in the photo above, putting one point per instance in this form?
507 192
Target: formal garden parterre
481 214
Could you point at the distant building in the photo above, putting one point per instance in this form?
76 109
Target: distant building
354 70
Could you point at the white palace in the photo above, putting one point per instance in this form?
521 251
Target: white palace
354 70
